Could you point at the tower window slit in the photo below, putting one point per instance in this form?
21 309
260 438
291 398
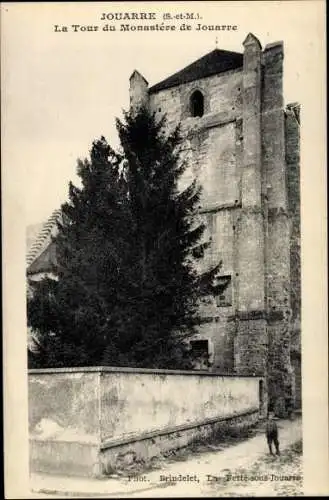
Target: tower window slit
197 104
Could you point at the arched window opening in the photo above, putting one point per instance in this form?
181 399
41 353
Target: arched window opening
197 103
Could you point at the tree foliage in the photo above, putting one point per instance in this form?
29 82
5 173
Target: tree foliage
126 290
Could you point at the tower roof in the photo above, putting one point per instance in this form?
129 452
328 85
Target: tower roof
137 74
216 61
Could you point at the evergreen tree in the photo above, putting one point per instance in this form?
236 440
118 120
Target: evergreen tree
75 315
127 290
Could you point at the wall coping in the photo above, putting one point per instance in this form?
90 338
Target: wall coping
123 369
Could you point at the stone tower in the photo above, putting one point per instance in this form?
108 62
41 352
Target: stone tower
243 146
230 106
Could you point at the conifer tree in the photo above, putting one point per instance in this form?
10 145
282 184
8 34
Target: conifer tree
127 290
74 316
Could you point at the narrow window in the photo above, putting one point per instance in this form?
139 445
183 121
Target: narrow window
197 103
200 347
200 353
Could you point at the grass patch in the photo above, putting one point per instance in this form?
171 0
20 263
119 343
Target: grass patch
298 447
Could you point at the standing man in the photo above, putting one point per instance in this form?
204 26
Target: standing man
272 433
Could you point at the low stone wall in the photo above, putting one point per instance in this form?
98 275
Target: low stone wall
88 421
125 452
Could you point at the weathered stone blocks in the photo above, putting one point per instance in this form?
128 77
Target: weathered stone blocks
244 151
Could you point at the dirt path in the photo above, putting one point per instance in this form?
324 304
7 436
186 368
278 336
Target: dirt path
244 469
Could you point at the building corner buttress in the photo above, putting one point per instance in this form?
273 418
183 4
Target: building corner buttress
278 231
138 91
250 345
292 139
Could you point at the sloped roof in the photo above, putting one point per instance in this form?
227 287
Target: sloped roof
45 262
217 61
32 232
43 238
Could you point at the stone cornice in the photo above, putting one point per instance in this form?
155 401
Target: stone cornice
219 208
248 315
270 316
212 120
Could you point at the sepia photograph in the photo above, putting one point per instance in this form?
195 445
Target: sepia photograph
155 154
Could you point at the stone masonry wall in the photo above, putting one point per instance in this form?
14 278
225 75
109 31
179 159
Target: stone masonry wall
214 151
239 150
78 414
251 345
292 124
222 99
211 139
220 227
278 287
251 342
293 178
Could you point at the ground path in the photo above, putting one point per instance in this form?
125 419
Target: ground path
244 469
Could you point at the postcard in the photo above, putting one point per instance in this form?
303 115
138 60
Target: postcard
164 242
